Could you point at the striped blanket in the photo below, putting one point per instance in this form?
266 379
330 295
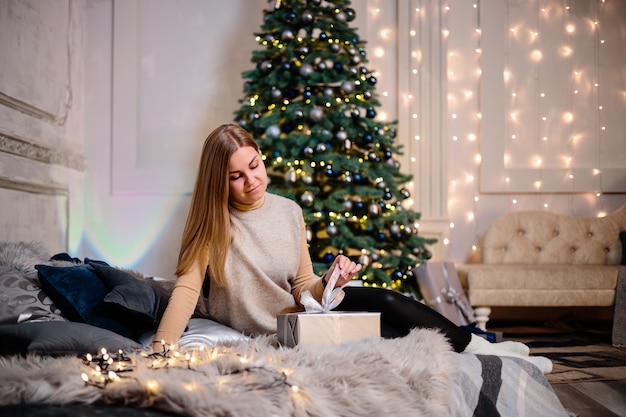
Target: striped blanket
496 386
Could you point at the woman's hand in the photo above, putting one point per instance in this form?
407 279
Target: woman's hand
348 270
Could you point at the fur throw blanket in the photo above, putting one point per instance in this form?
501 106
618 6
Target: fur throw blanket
400 377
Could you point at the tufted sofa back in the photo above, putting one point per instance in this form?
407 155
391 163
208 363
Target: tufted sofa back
538 237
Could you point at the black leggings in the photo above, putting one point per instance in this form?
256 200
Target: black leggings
399 314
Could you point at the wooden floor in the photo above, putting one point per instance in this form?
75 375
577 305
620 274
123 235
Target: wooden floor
593 399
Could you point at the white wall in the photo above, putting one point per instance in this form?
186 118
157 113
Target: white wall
41 121
159 78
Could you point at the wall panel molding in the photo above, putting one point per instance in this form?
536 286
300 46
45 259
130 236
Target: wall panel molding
32 151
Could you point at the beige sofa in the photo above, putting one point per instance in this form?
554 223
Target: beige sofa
543 259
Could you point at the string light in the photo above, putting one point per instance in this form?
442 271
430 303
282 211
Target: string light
546 129
106 368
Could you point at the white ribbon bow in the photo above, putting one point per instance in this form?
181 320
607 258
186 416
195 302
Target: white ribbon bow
331 297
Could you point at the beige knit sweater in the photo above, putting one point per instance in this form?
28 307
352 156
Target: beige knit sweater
267 268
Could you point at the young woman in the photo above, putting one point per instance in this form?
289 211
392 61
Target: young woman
244 259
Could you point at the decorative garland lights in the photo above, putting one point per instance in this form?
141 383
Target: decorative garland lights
111 368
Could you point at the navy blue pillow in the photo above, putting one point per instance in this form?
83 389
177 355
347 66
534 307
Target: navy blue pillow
78 293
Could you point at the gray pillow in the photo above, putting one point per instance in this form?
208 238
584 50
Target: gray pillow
60 338
22 299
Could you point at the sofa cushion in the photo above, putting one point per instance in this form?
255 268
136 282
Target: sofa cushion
541 285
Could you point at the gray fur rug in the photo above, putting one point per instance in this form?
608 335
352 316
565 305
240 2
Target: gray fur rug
410 376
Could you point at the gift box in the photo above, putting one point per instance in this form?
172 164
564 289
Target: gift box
331 328
441 289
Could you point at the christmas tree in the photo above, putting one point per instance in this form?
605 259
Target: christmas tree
310 102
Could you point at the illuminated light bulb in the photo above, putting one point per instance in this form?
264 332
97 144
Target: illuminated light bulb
514 201
386 93
479 115
602 41
455 138
451 225
410 96
379 52
545 205
479 51
596 171
446 242
513 115
477 159
469 178
513 94
544 118
474 247
471 137
470 216
545 138
571 176
568 117
570 28
446 33
599 107
412 32
537 184
475 6
513 137
414 71
454 115
414 116
601 214
479 71
575 91
542 95
507 180
468 94
417 137
476 198
537 161
536 55
603 128
507 75
453 182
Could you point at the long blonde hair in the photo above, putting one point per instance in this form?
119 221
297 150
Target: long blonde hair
207 234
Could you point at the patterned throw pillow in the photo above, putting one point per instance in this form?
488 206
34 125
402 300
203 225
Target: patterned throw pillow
22 299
